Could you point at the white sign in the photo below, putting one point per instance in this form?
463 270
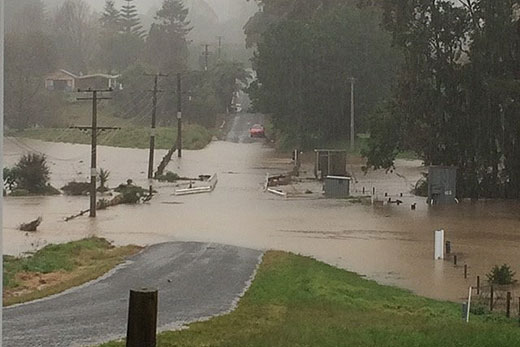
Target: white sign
439 245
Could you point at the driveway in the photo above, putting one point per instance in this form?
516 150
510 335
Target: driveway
195 281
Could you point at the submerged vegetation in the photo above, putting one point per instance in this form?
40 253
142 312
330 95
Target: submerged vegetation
56 268
30 176
297 301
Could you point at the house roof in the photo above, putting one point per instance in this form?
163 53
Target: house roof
102 75
61 75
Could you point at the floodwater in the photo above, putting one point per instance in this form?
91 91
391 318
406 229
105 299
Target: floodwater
391 244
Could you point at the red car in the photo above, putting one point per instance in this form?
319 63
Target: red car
257 130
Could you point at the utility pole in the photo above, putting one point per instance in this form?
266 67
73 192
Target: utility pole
94 129
220 46
155 91
206 56
352 125
179 115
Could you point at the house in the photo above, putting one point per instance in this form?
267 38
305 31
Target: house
97 81
61 80
66 81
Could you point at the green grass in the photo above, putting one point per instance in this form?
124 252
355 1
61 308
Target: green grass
297 301
194 136
69 265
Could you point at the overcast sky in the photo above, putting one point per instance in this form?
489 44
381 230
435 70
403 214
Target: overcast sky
225 9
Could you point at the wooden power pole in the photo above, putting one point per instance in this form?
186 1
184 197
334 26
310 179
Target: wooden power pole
155 91
94 130
179 115
352 123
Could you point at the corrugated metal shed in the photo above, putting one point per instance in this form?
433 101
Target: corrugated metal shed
442 185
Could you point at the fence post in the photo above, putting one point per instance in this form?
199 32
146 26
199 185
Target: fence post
455 260
508 305
491 299
142 318
478 285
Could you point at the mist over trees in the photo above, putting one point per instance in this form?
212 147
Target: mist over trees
74 37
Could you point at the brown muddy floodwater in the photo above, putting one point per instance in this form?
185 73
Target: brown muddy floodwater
390 244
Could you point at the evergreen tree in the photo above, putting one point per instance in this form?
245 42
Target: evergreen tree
111 17
167 42
130 21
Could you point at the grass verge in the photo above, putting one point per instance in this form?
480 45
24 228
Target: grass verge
194 136
56 268
296 301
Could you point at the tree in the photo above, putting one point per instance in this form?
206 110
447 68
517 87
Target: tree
304 64
28 58
130 21
132 38
111 40
167 45
32 173
111 18
458 97
76 35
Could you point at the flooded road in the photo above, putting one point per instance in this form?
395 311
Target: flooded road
391 244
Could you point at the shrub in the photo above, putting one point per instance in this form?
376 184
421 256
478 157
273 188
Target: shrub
32 174
103 179
501 275
168 177
76 188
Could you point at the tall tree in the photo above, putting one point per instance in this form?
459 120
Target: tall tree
111 40
167 45
304 65
111 17
76 35
130 20
458 98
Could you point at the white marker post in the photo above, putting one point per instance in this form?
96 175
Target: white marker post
439 245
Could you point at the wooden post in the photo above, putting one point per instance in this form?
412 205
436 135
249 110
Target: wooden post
179 114
478 285
491 299
465 271
142 318
508 305
455 260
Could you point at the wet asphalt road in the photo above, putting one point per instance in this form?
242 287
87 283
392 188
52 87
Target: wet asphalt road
195 281
239 132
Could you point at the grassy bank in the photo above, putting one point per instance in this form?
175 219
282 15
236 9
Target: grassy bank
194 136
296 301
56 268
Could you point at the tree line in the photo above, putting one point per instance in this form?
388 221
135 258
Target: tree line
436 77
73 37
457 101
307 52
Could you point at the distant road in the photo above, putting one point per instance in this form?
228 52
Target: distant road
239 132
195 280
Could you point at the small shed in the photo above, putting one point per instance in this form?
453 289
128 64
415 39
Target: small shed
61 81
330 162
337 187
442 185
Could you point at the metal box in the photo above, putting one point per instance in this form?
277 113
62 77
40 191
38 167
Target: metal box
337 187
442 185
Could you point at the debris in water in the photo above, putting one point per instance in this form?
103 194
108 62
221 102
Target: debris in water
31 226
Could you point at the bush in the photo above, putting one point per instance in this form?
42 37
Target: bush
502 275
103 179
76 188
168 177
32 174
